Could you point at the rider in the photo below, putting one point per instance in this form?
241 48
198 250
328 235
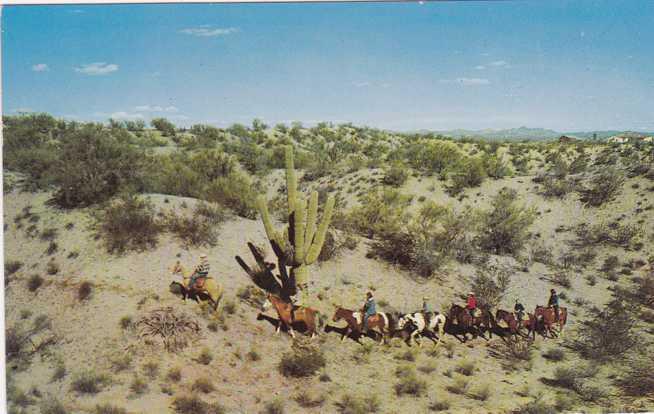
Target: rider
519 309
425 306
201 270
554 302
369 309
471 305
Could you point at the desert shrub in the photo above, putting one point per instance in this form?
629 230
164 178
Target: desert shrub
636 378
174 375
303 361
439 405
126 322
513 355
84 290
164 126
409 383
572 377
48 234
615 234
52 405
465 367
433 156
93 165
151 369
603 187
495 167
89 382
205 357
395 175
607 333
469 173
275 406
12 266
138 386
34 282
121 363
480 393
109 409
52 248
307 399
459 386
505 225
330 248
557 187
490 285
203 385
52 268
127 223
554 354
197 230
561 279
537 406
59 372
236 192
381 212
194 405
350 404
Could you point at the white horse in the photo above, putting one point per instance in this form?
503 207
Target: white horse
426 324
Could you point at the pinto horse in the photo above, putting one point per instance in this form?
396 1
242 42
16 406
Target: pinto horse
460 318
379 323
547 316
288 314
424 324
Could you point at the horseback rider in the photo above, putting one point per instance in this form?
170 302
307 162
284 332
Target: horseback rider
554 302
369 309
426 309
201 271
471 305
519 309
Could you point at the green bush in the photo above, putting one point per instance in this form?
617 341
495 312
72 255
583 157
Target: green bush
505 226
93 166
433 156
495 167
603 187
395 175
164 126
350 404
636 379
127 223
469 173
89 382
302 362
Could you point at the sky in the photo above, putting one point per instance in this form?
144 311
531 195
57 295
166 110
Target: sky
563 65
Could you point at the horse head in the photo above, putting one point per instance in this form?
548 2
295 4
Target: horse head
176 288
338 314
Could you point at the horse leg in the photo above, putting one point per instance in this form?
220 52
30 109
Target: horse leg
347 331
279 326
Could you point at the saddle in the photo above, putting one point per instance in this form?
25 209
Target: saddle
525 317
199 283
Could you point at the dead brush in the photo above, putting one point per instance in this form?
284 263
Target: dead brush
173 330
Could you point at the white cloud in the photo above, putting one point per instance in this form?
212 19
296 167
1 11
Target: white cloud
499 63
361 84
97 68
467 81
155 108
180 117
207 31
480 67
125 115
40 67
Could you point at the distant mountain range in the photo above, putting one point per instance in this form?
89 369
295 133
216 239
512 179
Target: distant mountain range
523 133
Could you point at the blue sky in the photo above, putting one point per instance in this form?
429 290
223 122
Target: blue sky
565 65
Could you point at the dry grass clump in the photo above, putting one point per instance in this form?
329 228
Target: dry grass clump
126 322
34 282
637 378
138 386
12 266
203 384
409 383
205 356
174 374
84 290
439 405
52 268
303 361
350 404
275 406
459 386
466 367
309 399
194 405
52 405
89 382
481 393
554 354
151 369
200 229
109 409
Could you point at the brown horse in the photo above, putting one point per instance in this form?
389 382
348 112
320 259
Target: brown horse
288 314
515 326
460 317
547 316
378 323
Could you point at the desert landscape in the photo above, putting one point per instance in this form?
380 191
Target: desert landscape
96 215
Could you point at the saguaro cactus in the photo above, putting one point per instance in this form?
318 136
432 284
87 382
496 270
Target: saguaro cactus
298 245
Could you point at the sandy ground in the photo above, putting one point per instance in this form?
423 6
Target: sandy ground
90 337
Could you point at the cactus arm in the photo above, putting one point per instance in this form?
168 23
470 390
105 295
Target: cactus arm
267 222
298 229
291 179
312 218
316 246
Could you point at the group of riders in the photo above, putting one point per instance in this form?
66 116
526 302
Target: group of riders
369 309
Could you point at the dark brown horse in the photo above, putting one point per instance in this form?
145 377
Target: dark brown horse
547 317
378 323
289 314
466 324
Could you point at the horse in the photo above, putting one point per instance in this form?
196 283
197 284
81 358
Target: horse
468 324
211 290
379 321
514 324
425 324
288 314
547 316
